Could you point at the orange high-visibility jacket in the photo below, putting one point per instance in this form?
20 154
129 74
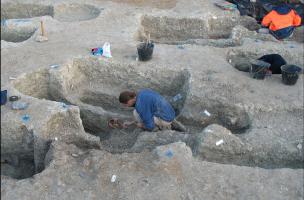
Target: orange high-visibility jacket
277 21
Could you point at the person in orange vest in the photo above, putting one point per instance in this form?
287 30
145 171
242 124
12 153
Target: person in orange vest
281 21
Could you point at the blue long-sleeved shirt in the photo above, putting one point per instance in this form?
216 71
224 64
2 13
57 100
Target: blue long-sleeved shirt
149 104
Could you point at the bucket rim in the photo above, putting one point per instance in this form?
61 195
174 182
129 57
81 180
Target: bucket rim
142 44
284 68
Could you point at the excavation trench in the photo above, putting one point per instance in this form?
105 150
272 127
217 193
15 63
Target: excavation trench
166 28
94 86
201 30
61 12
219 31
240 59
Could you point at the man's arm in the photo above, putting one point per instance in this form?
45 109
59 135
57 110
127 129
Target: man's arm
296 19
148 121
267 19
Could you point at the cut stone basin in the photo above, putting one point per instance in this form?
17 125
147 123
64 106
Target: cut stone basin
17 30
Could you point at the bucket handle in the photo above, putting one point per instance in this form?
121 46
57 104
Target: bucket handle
148 40
256 71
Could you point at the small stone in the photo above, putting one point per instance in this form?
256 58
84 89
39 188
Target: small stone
86 163
208 131
56 138
207 113
82 174
299 146
54 66
177 97
180 47
219 142
75 155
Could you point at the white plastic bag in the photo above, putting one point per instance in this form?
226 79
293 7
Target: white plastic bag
107 50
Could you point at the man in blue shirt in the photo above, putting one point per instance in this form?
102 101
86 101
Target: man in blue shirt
152 111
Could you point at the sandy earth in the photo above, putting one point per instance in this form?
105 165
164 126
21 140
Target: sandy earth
264 162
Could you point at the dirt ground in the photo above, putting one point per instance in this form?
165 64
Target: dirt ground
65 150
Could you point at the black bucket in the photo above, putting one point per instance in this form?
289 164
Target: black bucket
259 69
290 74
145 51
3 97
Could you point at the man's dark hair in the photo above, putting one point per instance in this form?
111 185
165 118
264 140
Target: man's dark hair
125 96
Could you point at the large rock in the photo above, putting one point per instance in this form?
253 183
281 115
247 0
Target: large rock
150 140
250 23
242 64
230 150
217 144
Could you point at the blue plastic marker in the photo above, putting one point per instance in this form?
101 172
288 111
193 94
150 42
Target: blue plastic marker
169 153
25 118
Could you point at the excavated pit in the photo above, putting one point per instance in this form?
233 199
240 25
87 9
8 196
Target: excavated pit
18 161
22 10
75 12
61 12
17 30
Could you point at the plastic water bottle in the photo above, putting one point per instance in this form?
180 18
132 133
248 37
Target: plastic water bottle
17 105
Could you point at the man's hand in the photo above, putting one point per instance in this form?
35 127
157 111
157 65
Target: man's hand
126 124
140 125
